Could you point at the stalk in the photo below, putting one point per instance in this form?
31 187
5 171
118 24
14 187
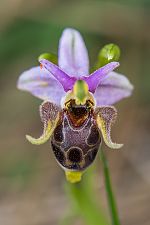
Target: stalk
110 196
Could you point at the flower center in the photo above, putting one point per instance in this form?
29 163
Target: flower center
78 114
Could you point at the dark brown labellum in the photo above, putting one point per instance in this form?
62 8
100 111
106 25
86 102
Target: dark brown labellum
75 144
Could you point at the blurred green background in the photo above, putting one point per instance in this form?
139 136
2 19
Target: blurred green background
31 183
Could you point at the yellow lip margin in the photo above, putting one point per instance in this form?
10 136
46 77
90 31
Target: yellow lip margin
73 176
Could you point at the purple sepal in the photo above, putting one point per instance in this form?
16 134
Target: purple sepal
41 84
72 54
112 89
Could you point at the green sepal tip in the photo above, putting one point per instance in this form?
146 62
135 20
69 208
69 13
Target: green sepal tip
49 56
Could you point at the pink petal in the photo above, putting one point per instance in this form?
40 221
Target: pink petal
64 79
95 78
112 89
73 55
41 84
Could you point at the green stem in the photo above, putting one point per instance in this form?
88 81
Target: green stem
83 198
110 196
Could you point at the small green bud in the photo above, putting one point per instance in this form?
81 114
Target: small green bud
107 54
49 56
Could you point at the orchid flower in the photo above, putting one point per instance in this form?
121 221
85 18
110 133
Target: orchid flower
77 105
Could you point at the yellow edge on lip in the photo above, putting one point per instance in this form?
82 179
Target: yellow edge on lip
73 176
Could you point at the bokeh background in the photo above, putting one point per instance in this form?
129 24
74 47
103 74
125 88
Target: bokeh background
31 183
